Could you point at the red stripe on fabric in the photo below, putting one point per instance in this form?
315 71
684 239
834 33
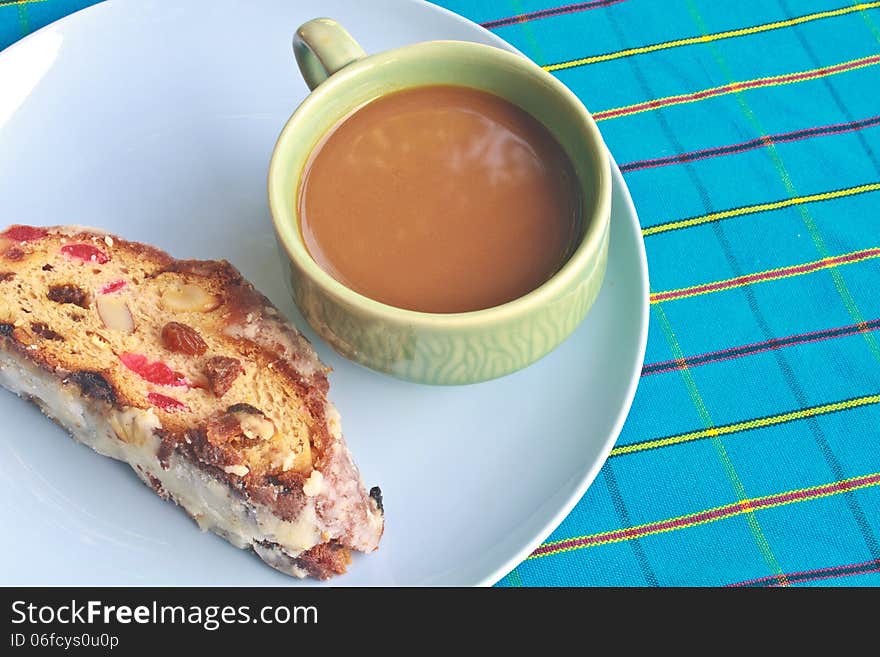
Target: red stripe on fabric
835 575
762 276
705 516
814 492
760 347
650 528
735 86
872 566
547 13
752 144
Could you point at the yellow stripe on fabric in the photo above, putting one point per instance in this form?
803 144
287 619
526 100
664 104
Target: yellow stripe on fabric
23 22
843 291
4 3
867 19
736 87
717 36
535 52
729 469
797 495
748 425
768 275
760 207
513 578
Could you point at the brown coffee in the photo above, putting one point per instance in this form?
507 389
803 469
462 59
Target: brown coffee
439 199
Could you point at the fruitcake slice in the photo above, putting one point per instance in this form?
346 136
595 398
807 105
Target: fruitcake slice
184 371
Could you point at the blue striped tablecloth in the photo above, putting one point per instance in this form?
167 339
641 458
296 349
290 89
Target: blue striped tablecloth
749 136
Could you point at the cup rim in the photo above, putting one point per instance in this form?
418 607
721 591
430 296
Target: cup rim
585 257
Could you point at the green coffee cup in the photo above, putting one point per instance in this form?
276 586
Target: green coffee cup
425 347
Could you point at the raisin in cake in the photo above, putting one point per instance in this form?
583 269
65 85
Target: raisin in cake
184 371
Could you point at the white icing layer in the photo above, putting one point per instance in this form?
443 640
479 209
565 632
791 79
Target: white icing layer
129 435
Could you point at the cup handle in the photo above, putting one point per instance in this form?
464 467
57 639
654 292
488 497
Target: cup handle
322 47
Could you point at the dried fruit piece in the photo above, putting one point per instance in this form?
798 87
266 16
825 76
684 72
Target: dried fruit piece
249 426
115 314
41 329
113 286
244 408
68 293
24 233
222 427
85 252
376 494
183 339
221 372
94 385
166 403
153 371
188 297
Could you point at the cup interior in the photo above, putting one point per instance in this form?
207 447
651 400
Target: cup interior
440 63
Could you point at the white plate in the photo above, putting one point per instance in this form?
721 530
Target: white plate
156 121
